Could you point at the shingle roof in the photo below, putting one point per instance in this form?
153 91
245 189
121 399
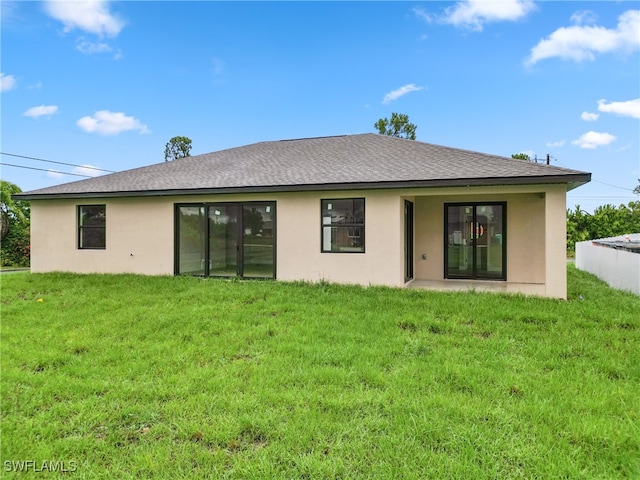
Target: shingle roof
324 163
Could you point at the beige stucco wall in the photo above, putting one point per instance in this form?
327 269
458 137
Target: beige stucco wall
525 234
536 234
555 241
140 235
299 255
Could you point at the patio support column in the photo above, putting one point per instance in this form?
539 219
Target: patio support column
556 242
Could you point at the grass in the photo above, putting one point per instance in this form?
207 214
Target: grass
159 377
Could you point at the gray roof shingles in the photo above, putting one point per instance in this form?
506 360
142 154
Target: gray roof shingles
350 161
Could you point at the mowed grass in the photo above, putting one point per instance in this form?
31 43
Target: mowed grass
161 377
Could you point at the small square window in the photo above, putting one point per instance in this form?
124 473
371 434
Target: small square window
92 226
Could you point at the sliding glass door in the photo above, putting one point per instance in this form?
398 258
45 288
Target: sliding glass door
223 240
258 246
226 240
475 241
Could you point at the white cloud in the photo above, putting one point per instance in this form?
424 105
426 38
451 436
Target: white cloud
88 170
54 174
583 17
589 117
395 94
580 42
110 123
7 82
559 143
421 13
593 139
41 111
89 48
91 16
630 108
474 14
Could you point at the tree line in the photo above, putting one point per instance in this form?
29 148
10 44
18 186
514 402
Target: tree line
605 221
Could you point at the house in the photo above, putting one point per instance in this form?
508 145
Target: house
365 209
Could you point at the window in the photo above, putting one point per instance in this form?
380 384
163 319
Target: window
343 225
92 223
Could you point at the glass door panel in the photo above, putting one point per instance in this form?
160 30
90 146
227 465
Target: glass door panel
459 248
489 237
191 252
475 241
257 241
223 240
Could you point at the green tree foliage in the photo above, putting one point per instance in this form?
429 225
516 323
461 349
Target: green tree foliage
177 147
521 156
14 248
637 189
606 221
11 211
398 126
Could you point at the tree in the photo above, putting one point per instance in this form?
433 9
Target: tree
637 189
521 156
398 126
10 210
606 221
14 247
177 147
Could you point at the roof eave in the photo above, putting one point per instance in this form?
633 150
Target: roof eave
571 180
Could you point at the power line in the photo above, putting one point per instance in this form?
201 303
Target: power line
59 163
593 180
44 170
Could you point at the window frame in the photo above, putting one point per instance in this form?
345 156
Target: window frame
350 227
82 227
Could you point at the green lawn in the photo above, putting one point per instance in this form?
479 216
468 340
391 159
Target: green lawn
134 377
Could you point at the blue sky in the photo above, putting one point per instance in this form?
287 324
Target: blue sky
107 84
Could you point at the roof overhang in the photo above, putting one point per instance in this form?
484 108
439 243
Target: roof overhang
571 180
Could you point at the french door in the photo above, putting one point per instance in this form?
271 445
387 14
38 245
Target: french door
226 239
475 241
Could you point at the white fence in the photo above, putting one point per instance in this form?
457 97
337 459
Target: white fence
616 266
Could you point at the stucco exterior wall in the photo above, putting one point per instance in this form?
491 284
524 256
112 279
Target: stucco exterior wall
140 235
299 237
556 242
525 234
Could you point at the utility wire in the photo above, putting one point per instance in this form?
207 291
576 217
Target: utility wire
45 170
59 163
597 181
